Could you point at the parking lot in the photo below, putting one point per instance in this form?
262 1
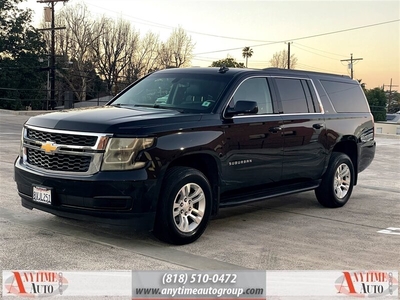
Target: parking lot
286 233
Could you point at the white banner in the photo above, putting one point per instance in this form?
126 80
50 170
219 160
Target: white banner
360 284
266 284
66 283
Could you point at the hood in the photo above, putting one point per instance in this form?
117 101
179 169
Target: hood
111 119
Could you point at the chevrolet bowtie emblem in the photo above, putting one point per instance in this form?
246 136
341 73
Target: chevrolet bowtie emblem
49 147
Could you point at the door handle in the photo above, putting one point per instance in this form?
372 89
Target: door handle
275 129
318 126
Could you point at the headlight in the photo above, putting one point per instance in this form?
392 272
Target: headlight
121 153
21 145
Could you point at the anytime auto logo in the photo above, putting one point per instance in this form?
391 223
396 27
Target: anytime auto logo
366 284
35 284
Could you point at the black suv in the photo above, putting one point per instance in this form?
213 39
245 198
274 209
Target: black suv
174 147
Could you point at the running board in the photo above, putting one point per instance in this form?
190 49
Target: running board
287 189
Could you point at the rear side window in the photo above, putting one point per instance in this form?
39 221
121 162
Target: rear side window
292 94
345 97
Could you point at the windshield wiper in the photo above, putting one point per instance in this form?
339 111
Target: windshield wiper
119 104
148 105
142 105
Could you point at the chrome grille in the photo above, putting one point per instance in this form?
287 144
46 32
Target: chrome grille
63 152
61 138
58 162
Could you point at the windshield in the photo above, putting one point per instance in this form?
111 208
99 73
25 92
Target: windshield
185 92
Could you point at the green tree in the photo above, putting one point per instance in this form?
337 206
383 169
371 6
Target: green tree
247 52
377 101
394 102
21 49
227 62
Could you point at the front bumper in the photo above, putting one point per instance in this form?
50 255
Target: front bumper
124 198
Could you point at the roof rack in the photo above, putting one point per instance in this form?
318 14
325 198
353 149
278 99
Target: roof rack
304 72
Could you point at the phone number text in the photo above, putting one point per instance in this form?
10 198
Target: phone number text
184 278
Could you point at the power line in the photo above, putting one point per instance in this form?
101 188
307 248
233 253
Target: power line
265 43
143 21
315 68
155 24
296 46
344 30
306 37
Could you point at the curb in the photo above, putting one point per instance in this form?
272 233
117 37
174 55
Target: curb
388 136
24 112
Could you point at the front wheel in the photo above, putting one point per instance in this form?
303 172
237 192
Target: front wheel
337 183
184 206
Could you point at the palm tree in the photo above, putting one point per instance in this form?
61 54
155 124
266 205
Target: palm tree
247 52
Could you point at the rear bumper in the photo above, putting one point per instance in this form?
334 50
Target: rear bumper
366 155
124 198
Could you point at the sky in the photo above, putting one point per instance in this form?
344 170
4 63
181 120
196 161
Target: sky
321 33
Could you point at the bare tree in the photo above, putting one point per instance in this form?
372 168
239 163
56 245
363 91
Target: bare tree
165 55
112 50
144 59
280 60
177 51
89 51
76 44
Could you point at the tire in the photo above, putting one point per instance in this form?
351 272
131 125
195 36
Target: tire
337 183
184 206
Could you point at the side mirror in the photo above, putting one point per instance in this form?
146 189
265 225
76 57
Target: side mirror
242 107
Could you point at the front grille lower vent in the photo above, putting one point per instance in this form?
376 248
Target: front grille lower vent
58 162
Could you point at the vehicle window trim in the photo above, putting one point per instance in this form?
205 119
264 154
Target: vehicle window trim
314 96
270 92
257 116
307 93
322 111
340 81
301 84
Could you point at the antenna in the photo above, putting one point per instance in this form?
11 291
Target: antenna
223 69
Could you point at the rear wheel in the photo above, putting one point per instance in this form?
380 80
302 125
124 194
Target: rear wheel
184 206
337 183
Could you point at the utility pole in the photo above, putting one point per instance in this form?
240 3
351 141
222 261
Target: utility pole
52 66
288 55
390 92
351 60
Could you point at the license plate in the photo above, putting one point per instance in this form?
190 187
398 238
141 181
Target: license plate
41 194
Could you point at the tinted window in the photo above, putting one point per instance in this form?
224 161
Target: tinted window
255 89
292 95
185 92
345 97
